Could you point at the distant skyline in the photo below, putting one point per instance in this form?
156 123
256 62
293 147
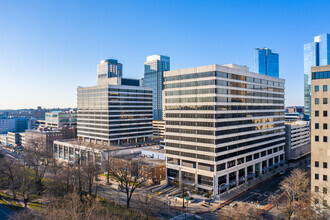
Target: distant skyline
49 48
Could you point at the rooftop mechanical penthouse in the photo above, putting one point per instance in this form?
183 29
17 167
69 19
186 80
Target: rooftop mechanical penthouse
224 126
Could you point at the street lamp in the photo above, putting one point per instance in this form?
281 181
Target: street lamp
220 192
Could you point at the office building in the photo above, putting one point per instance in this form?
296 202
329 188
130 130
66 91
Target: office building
116 111
297 139
266 62
154 69
224 126
159 128
13 124
316 53
16 139
57 119
320 118
109 68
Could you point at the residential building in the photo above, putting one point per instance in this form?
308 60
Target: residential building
116 111
297 139
224 126
320 122
58 119
266 62
159 128
109 68
154 69
316 53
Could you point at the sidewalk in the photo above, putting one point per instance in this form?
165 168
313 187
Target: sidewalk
229 196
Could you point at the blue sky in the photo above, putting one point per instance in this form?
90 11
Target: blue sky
48 48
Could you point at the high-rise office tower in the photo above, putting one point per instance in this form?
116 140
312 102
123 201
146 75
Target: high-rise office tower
320 132
109 68
224 125
116 111
153 78
266 62
316 53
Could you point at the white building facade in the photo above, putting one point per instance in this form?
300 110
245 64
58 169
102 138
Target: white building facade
224 126
117 111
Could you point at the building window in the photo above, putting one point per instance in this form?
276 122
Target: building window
325 88
325 178
325 113
316 164
325 139
317 113
316 189
316 176
325 126
317 138
317 126
317 88
317 101
325 165
325 191
325 100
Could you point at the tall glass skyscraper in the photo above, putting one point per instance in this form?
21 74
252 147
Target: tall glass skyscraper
154 68
109 68
316 53
266 62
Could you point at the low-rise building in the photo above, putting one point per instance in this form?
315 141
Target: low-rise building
154 153
298 143
16 139
48 136
58 119
4 139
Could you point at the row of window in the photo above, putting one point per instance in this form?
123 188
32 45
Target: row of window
223 91
325 164
222 99
321 75
317 88
228 115
219 83
226 123
223 107
325 138
325 126
223 75
317 101
325 113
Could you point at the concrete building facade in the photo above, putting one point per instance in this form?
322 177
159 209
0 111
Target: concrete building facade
224 126
58 119
297 140
116 111
320 134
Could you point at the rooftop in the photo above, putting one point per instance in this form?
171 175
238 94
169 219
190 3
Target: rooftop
143 160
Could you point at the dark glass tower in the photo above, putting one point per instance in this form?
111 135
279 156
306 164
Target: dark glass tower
316 53
154 69
266 62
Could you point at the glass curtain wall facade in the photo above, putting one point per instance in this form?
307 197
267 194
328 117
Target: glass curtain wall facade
224 126
109 68
316 53
154 68
266 62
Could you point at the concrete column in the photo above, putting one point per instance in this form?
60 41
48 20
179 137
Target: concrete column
215 186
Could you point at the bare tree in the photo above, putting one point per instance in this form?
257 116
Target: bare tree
38 157
9 171
27 184
127 174
147 203
241 210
